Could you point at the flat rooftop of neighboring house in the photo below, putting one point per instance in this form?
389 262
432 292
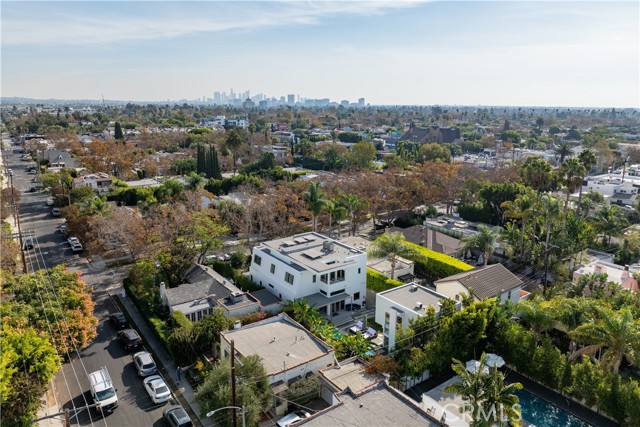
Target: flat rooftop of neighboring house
350 373
380 405
279 341
408 296
383 265
313 251
355 242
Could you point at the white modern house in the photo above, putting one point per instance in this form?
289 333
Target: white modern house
99 182
396 307
491 281
622 275
324 271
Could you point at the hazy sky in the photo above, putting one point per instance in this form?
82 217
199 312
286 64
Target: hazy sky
552 53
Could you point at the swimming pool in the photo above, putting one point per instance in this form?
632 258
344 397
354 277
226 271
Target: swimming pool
541 413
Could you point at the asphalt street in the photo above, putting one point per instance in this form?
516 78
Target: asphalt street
71 384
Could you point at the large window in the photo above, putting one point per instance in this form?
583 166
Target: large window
356 296
273 268
257 259
288 277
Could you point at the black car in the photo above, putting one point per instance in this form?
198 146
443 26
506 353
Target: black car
176 416
130 339
119 321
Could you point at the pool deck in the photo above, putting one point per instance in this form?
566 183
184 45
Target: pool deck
585 414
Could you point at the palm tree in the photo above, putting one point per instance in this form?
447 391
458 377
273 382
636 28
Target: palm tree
335 211
303 312
351 203
233 143
520 208
314 197
571 174
472 387
617 333
588 160
393 246
610 221
195 181
485 241
536 314
537 173
550 210
486 394
562 150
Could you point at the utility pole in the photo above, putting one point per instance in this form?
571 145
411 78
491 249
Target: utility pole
17 218
67 418
233 383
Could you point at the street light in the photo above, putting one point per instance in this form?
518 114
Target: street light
242 410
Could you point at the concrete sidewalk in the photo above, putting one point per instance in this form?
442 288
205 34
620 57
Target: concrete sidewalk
182 390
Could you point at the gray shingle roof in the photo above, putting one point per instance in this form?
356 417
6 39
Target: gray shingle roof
486 282
202 282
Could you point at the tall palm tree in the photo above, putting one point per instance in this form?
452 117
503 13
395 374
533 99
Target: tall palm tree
303 312
484 241
617 333
562 150
351 203
233 143
537 316
336 211
393 246
571 174
520 208
472 387
503 398
315 200
610 221
588 160
536 172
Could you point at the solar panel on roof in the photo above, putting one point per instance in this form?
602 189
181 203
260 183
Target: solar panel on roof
312 253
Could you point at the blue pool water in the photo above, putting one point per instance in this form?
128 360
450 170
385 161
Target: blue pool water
541 413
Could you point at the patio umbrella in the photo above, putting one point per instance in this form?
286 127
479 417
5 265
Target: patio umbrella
494 361
474 366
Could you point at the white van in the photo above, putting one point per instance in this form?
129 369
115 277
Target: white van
103 392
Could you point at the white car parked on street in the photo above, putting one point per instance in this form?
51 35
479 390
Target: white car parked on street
157 389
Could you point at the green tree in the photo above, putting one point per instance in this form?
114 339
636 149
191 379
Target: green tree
521 208
435 153
570 174
336 212
562 150
117 133
315 200
484 241
195 181
392 246
361 155
304 313
233 142
610 221
352 204
536 314
536 173
252 389
617 334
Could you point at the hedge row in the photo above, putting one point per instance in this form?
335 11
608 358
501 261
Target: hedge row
378 282
436 264
240 280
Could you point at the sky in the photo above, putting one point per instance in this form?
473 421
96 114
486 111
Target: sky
521 53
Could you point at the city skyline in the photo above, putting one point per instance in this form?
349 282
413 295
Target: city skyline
390 53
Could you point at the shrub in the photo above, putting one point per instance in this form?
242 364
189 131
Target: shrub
378 282
304 390
436 264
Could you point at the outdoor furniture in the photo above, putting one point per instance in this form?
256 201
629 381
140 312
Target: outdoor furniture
474 366
494 361
357 328
370 333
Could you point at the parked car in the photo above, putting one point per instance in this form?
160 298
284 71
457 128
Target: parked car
130 339
119 321
50 201
157 389
31 171
75 244
145 365
55 212
176 416
9 172
291 418
32 189
28 244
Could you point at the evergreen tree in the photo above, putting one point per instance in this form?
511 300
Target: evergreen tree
215 166
118 131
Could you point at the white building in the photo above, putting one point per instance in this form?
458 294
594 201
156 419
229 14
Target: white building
491 281
99 182
326 272
614 188
288 351
622 275
396 307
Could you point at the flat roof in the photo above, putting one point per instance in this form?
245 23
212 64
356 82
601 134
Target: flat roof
308 250
293 344
351 373
409 295
380 405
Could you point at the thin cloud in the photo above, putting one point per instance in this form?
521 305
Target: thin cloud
115 22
